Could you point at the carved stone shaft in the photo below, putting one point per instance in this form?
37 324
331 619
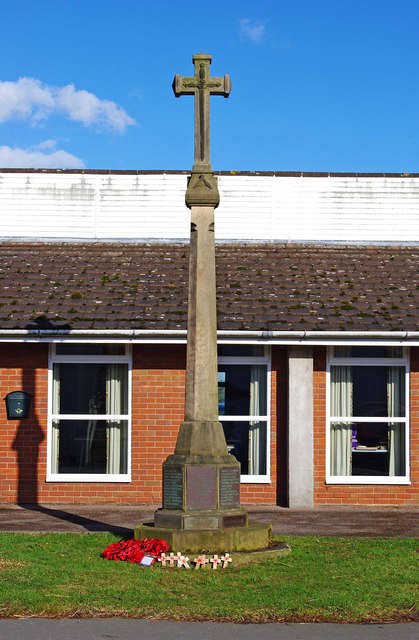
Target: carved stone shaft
201 433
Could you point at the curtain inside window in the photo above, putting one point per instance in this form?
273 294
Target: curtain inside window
116 445
55 434
257 429
341 432
90 432
395 398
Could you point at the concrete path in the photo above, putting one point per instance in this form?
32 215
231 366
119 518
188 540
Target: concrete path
38 629
120 519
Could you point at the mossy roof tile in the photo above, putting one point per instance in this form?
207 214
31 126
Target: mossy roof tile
259 286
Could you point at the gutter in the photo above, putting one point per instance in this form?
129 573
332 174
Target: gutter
239 337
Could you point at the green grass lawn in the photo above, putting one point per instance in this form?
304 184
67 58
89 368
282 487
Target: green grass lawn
328 579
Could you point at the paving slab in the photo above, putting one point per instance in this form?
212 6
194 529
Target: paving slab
121 519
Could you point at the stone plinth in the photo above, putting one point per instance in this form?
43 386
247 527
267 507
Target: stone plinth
253 537
201 509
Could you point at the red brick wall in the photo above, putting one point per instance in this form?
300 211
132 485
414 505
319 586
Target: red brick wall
158 396
157 411
23 442
362 494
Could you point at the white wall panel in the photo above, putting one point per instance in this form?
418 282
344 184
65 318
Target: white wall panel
131 206
246 208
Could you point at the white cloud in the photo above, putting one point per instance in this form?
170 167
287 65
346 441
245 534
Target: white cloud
30 99
36 158
253 30
85 107
46 144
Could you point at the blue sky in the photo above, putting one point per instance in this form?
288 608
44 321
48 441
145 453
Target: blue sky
318 85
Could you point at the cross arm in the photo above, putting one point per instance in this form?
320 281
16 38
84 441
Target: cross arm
180 86
222 86
187 86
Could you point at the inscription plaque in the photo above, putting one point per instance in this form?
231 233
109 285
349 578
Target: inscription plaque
168 520
234 521
172 487
201 487
229 487
200 522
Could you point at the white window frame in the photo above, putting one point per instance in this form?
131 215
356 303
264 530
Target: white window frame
266 360
404 361
55 358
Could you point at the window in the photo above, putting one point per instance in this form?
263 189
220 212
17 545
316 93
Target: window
243 408
367 424
89 423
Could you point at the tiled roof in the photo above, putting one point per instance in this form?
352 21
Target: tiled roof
277 287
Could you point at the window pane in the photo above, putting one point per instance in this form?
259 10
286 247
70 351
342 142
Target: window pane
247 442
368 391
90 388
242 390
221 393
367 449
368 352
90 446
90 349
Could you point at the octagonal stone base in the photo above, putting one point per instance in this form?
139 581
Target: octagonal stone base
253 537
197 520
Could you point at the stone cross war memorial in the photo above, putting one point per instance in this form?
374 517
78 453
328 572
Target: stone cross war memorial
201 481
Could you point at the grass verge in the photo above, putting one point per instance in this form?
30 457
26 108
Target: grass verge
323 579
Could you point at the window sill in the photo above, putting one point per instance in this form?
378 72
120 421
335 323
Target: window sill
255 480
73 477
362 480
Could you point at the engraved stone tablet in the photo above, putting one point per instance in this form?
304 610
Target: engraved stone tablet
172 487
168 520
234 521
201 487
229 487
200 522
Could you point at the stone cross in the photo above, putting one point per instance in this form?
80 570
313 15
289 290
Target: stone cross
201 479
202 86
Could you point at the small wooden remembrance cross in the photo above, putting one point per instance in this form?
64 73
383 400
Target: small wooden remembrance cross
202 86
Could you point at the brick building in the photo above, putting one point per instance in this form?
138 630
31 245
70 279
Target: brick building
317 293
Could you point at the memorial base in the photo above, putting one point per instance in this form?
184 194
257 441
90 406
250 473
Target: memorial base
253 537
200 519
201 509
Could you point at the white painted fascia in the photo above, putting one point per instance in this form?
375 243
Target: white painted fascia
243 337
